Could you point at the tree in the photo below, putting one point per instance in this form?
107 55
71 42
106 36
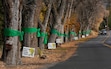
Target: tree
29 23
12 10
58 9
43 25
87 13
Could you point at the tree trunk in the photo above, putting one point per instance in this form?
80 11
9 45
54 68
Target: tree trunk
29 11
62 31
57 17
80 31
67 15
36 20
19 28
67 32
12 20
44 26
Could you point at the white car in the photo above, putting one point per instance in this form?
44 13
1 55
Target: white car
103 32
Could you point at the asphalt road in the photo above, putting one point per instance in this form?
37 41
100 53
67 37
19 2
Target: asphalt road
90 55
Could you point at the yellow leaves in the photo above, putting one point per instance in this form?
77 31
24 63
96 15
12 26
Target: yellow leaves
43 11
41 16
31 51
44 7
72 23
40 52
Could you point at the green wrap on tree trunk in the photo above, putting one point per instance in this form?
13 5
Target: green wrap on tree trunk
73 33
32 30
54 31
45 35
11 33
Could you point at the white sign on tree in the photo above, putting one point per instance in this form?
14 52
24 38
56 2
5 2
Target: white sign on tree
75 38
83 36
51 45
87 34
59 41
28 52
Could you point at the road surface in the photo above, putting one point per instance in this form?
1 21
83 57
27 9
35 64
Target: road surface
92 54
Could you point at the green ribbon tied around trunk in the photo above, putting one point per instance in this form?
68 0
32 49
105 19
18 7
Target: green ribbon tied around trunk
32 30
45 36
88 31
66 35
73 33
80 32
60 34
38 33
84 32
54 31
11 33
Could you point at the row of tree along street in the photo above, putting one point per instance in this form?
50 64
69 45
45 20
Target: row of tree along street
35 23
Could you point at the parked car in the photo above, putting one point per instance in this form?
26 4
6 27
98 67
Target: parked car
103 32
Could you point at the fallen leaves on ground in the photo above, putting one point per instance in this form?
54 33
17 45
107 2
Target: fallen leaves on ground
62 53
